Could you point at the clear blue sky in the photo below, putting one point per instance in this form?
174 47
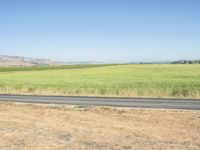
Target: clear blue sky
101 30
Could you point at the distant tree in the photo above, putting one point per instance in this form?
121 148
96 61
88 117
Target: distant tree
186 62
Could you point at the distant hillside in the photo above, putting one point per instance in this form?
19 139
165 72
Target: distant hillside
26 61
186 62
83 62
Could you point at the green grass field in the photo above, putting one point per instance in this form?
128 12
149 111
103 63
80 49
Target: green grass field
174 81
6 69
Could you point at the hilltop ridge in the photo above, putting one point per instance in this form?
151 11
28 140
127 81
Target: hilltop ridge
6 61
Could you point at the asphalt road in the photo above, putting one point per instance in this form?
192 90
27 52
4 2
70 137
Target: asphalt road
115 102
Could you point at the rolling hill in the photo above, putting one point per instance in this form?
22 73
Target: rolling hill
26 61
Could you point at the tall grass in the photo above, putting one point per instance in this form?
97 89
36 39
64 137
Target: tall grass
78 66
174 81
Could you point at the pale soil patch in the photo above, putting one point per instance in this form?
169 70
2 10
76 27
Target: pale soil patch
57 127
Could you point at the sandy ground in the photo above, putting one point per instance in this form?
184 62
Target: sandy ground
26 126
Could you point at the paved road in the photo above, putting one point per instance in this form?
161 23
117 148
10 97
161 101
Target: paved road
116 102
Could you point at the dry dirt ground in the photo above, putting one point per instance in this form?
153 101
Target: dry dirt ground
43 127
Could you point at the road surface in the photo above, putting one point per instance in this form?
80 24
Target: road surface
100 101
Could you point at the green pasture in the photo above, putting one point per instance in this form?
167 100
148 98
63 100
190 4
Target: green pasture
174 81
5 69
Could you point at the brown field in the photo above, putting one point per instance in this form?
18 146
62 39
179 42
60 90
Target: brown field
42 127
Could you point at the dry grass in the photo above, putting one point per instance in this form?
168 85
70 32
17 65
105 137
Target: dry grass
58 127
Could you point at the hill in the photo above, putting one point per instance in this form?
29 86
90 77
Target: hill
26 61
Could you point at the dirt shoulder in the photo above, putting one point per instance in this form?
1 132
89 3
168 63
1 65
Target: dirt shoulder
38 127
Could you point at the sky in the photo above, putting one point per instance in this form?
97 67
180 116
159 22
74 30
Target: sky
101 30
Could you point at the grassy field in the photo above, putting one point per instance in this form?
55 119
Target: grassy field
33 68
97 128
174 81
